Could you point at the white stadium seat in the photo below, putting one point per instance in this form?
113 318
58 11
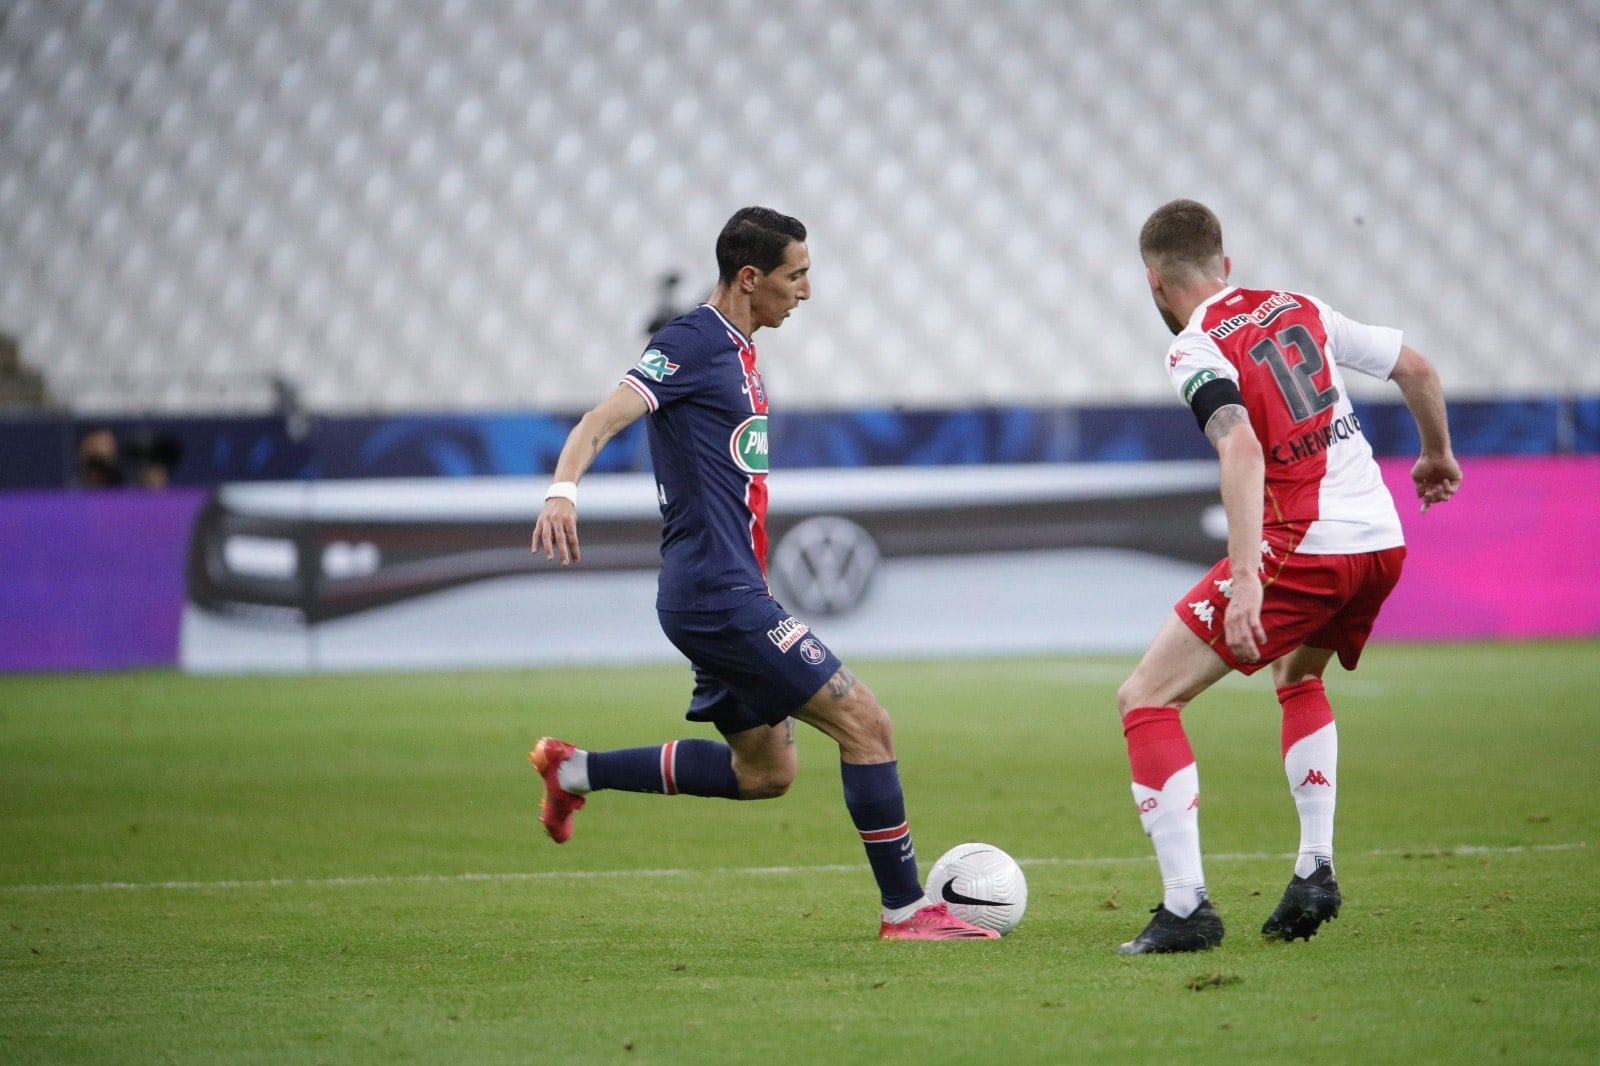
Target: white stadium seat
465 205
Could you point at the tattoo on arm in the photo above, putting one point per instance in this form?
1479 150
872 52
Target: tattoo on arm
1223 420
840 684
788 732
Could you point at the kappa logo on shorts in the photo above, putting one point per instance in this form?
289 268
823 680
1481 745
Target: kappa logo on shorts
786 632
1206 611
811 651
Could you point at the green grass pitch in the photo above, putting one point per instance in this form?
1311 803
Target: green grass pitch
350 869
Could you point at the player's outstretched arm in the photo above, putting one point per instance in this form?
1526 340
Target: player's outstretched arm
556 531
1436 473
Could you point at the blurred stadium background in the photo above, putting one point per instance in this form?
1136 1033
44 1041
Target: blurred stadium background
465 206
311 239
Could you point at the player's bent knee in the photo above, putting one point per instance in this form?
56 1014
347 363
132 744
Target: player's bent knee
765 773
765 782
1131 696
764 789
1150 690
871 732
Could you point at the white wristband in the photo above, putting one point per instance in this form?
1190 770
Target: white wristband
563 490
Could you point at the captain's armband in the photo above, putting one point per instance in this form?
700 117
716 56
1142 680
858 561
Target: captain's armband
1210 399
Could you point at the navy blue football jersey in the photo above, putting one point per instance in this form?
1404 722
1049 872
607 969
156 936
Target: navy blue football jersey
708 445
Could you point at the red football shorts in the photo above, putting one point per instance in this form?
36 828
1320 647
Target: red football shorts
1325 601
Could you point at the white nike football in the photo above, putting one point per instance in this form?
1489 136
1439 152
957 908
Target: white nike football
981 884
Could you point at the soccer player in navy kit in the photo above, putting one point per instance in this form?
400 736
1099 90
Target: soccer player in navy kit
757 668
1314 547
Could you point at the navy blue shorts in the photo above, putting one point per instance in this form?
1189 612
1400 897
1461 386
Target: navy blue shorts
754 664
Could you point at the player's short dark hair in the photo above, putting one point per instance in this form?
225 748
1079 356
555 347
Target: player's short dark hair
758 237
1182 237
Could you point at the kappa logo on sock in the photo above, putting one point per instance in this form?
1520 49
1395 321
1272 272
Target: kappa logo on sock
1315 777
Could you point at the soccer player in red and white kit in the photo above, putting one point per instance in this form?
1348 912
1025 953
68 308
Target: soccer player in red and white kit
1314 548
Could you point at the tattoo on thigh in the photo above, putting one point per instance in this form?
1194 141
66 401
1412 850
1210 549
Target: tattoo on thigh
840 684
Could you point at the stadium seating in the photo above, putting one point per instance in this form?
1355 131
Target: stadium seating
467 206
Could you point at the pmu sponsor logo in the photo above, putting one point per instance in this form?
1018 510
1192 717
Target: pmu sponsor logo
1318 440
748 445
786 632
1262 316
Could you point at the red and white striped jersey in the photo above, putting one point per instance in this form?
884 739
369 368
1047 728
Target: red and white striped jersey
1324 492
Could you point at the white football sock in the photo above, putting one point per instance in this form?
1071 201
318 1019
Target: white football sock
1182 880
1312 765
900 914
573 773
1171 817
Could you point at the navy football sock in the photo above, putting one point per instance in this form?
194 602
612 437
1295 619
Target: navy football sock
690 767
877 806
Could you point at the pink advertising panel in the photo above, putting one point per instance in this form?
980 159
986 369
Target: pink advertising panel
1515 555
98 580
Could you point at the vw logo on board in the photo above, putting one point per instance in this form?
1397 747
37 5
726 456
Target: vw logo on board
824 565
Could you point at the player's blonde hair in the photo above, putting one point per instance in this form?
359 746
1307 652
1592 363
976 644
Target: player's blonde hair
1182 240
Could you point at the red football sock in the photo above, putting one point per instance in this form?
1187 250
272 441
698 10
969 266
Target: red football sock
1311 764
1166 788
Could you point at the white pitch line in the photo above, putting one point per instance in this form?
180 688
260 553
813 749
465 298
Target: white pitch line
580 875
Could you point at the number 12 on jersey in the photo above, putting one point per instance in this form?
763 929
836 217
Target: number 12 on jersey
1296 380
